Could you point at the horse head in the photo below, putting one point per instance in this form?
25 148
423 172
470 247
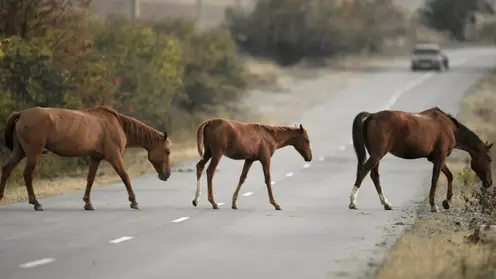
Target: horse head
159 156
481 165
302 144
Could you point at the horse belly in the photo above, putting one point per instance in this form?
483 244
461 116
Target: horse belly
73 144
409 150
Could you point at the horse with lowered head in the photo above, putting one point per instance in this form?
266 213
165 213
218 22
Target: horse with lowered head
100 133
244 141
431 134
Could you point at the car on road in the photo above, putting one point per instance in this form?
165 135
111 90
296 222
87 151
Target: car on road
428 56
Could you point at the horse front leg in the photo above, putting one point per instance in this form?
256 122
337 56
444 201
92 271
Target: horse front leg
436 171
94 164
449 193
118 166
242 178
268 182
210 176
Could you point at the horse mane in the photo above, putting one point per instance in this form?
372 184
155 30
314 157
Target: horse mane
464 130
274 129
133 128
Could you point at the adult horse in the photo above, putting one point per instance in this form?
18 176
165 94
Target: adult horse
244 141
431 134
100 133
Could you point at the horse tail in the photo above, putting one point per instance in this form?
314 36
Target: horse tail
359 137
8 133
199 137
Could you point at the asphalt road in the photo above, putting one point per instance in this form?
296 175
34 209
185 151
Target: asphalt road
314 236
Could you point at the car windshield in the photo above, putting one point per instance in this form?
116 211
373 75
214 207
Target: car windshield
426 51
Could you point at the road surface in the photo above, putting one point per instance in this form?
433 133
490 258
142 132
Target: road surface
314 236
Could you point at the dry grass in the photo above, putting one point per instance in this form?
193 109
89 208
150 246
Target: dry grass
435 247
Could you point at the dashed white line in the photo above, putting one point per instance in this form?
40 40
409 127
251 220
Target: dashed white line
342 147
178 220
306 166
248 194
37 263
289 174
120 239
350 142
321 158
220 203
272 183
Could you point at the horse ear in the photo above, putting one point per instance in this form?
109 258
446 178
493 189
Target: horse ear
165 135
488 146
301 127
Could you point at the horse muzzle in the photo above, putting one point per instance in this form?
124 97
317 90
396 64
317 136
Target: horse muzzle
164 176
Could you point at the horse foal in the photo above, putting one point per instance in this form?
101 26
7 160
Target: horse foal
244 141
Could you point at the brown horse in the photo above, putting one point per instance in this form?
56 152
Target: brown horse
430 134
100 133
244 141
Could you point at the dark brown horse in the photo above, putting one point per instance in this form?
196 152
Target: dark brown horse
431 134
244 141
100 133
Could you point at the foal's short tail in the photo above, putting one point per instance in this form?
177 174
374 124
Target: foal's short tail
199 137
8 133
359 137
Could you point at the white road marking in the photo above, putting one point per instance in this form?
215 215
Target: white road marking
248 194
37 263
306 166
272 183
120 239
342 147
350 142
289 174
220 203
178 220
321 158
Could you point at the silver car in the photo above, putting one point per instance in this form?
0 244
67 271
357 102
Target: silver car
428 56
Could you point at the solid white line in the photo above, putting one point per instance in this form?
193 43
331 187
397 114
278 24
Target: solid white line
178 220
289 174
248 194
409 86
120 239
37 263
220 203
306 166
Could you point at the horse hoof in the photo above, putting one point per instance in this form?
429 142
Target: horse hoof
38 208
352 206
388 207
195 203
234 207
134 206
435 209
1 197
446 204
278 208
89 206
215 206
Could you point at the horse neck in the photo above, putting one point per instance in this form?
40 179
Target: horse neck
138 134
282 136
468 141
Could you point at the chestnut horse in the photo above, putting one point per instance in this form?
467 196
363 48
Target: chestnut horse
431 134
244 141
100 133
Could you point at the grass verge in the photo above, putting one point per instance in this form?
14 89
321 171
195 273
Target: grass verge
451 244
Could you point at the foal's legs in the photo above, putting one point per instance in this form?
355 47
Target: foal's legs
368 166
374 174
7 169
449 194
216 156
118 166
94 164
242 178
31 161
268 182
199 169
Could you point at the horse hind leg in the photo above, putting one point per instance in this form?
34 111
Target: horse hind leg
94 164
449 193
210 175
374 175
31 162
7 169
368 166
242 178
200 166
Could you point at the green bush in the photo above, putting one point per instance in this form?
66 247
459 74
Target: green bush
290 30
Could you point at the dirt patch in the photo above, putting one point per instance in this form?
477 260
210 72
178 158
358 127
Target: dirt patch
460 242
